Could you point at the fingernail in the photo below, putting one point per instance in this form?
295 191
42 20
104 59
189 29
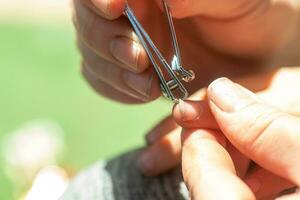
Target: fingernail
228 96
181 106
188 112
126 51
146 162
254 184
141 83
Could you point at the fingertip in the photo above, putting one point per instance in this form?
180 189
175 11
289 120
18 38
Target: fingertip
194 114
212 85
165 127
161 156
146 163
208 169
186 111
177 112
111 9
229 96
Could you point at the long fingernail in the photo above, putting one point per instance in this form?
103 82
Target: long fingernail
141 83
126 51
146 162
254 184
229 96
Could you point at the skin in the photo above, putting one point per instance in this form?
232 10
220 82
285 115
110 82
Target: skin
164 148
116 66
164 144
267 134
224 38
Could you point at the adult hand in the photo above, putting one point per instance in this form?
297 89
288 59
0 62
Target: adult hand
164 147
225 38
266 135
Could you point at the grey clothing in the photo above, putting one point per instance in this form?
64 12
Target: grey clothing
119 179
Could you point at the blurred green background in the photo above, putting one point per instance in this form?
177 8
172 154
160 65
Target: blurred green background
40 79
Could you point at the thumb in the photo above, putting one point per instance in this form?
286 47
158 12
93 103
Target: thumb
110 9
268 136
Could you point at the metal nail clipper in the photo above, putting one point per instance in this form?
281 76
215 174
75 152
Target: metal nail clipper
172 88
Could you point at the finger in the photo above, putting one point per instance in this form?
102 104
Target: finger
164 127
223 9
113 40
167 157
194 114
241 162
168 124
266 135
207 168
110 9
162 155
269 197
106 90
264 183
197 114
90 5
143 86
294 196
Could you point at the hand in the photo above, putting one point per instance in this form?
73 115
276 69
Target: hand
164 150
264 134
226 38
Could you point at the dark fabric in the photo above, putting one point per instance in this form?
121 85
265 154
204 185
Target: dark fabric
119 179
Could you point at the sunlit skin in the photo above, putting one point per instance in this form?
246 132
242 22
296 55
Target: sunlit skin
237 39
217 38
261 132
279 89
